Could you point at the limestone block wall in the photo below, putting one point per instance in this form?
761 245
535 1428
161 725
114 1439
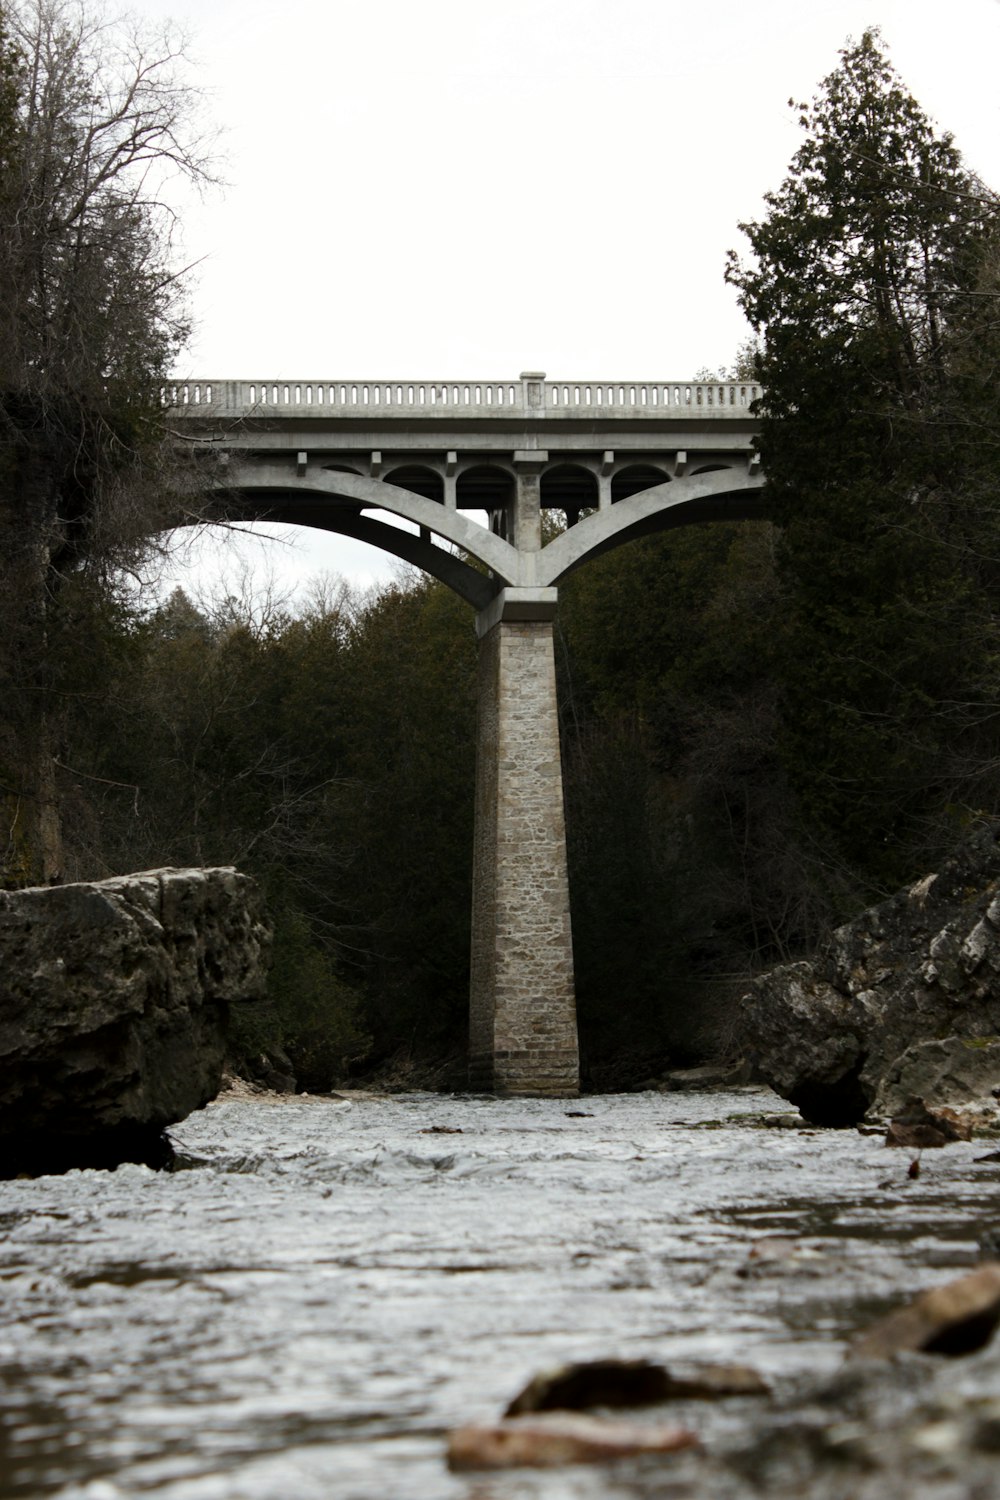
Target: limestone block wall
523 1037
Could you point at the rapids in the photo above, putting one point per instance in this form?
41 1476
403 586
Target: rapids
325 1286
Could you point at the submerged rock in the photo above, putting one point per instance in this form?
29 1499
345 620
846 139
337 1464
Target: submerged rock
598 1382
919 1128
903 1001
114 1001
956 1318
632 1383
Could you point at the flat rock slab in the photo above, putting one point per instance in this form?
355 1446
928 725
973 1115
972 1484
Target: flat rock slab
545 1442
114 1003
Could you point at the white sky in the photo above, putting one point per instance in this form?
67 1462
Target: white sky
456 188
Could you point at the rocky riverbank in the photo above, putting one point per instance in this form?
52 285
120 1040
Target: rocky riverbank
903 1003
116 996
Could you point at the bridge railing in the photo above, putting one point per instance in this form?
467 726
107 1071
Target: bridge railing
527 396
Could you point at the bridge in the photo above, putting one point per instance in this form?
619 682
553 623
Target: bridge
463 479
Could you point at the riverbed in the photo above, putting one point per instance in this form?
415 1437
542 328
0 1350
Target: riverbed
324 1287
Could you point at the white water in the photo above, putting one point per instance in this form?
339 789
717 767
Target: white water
327 1286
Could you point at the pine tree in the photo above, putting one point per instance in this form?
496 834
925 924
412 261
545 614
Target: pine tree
868 261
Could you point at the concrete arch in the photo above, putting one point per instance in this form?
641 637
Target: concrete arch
419 479
485 486
569 487
336 501
633 478
491 487
268 491
726 495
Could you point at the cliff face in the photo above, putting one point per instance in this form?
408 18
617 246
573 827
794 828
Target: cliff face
114 1002
902 1002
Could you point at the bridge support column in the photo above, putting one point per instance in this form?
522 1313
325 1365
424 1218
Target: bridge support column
523 1037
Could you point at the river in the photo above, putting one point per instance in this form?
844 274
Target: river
325 1286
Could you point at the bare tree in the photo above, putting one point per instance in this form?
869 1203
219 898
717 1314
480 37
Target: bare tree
97 118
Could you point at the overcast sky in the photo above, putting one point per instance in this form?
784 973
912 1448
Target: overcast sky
459 188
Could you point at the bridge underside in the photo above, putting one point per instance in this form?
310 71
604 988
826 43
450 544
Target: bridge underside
421 502
439 541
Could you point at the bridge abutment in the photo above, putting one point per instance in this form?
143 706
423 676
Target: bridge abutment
523 1037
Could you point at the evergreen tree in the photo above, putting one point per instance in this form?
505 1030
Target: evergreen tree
868 260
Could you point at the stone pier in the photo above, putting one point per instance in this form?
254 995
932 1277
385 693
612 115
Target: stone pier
523 1037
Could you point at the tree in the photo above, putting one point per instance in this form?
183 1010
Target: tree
685 871
94 119
404 716
866 266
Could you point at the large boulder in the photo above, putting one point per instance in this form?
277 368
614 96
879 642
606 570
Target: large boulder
114 1002
903 1002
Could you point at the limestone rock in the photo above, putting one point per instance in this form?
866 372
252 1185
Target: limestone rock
851 1030
919 1128
724 1075
114 1000
955 1068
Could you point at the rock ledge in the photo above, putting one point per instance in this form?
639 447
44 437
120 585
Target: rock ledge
902 1002
114 1001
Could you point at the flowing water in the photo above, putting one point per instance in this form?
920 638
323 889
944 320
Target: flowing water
325 1286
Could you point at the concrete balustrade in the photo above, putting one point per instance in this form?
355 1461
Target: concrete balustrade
524 397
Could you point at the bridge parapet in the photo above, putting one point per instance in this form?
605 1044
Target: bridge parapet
530 395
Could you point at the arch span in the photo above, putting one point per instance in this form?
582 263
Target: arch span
334 500
725 495
331 500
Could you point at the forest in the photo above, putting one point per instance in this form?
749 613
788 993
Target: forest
765 725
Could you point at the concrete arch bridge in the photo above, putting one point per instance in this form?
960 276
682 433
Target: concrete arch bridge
455 477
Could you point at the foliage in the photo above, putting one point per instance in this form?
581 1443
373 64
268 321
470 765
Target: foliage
331 754
684 870
865 269
409 704
318 1015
